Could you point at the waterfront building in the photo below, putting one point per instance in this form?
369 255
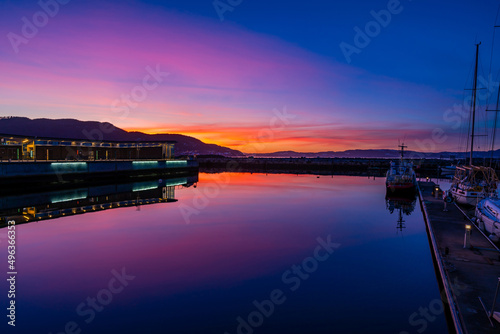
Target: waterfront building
13 147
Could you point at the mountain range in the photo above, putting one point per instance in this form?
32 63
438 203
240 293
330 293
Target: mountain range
89 130
186 145
373 154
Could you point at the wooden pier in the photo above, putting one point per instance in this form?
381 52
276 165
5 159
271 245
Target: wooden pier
468 276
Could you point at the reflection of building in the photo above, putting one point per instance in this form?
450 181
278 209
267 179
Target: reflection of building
49 205
404 205
38 148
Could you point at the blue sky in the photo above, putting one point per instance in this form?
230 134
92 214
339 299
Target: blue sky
227 78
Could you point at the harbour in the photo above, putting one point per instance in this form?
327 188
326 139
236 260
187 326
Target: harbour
324 166
467 263
243 241
246 167
42 174
42 162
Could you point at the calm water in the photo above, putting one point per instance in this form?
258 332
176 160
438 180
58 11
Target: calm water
240 253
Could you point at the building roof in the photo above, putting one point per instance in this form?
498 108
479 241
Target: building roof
12 136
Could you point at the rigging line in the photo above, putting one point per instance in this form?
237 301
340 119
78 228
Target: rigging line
483 77
498 95
467 131
495 83
469 128
493 45
463 130
474 98
482 114
490 81
490 75
463 142
494 127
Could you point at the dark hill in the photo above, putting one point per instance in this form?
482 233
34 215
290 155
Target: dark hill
89 130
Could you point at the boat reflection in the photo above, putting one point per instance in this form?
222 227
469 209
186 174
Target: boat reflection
27 208
403 205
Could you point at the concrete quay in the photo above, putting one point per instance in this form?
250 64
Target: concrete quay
21 174
468 277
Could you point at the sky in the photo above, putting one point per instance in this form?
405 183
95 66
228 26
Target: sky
257 76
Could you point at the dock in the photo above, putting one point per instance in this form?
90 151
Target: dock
18 174
319 166
468 276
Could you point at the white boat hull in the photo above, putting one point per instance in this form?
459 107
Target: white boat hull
465 197
487 213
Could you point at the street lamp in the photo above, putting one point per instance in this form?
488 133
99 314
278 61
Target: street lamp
468 229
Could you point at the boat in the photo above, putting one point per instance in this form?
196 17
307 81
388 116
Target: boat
401 177
403 205
472 183
448 170
488 209
488 217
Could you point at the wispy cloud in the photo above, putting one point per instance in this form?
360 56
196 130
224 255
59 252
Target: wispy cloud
224 81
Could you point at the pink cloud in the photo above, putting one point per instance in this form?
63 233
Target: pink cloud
221 76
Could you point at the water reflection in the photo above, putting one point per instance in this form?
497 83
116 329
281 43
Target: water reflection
27 208
403 205
245 233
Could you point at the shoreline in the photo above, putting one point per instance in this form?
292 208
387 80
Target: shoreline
318 166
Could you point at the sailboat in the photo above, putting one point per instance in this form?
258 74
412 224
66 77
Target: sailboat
488 209
400 177
488 217
472 183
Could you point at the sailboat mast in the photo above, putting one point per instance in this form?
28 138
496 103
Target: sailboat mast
474 88
494 128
